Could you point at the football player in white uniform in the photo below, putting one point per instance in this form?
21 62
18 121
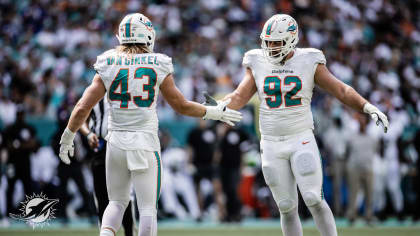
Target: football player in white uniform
284 78
131 75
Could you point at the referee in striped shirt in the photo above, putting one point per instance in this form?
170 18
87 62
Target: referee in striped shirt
95 134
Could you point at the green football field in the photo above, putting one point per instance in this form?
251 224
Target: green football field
405 231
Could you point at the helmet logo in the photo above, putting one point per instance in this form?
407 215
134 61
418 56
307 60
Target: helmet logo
148 24
269 29
292 28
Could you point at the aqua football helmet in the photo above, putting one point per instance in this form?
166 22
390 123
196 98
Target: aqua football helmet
136 28
281 28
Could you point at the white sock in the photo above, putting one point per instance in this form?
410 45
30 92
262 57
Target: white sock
324 219
107 232
290 223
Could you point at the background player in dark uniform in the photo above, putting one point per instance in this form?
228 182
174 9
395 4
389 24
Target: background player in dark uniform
232 145
20 142
201 145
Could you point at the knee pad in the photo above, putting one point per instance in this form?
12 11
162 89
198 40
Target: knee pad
286 205
311 198
270 175
305 163
120 204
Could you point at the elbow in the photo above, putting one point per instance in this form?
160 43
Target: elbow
81 109
341 94
345 92
182 108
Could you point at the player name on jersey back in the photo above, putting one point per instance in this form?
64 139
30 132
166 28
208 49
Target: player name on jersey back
132 60
285 90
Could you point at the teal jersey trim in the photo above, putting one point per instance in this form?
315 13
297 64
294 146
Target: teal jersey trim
159 177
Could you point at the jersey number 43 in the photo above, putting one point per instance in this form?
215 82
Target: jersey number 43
121 80
273 86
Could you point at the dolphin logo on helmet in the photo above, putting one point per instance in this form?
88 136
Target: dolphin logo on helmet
136 28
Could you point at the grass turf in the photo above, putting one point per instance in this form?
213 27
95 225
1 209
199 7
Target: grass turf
230 231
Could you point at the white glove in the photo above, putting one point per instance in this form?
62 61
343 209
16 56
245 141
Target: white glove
66 146
217 110
379 117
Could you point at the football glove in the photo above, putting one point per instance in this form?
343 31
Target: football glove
66 146
379 117
217 110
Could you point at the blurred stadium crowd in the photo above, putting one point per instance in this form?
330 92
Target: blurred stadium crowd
46 56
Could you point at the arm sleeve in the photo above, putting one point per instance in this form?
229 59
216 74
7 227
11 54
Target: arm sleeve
316 57
100 65
319 57
166 67
102 69
246 61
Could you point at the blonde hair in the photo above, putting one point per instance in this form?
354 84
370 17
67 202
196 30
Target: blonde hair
135 48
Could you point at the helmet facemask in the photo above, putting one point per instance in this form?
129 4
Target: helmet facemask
274 54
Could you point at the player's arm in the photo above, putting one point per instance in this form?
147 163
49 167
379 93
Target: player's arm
343 92
189 108
347 95
93 140
244 92
92 95
177 100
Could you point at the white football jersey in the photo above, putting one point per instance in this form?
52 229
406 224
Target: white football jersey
285 91
132 82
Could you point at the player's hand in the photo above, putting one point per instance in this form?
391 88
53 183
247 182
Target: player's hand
218 110
379 117
93 140
66 146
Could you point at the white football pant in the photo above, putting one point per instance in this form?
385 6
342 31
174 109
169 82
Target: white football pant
141 168
290 161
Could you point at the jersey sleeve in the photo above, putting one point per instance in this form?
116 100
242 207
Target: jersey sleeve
318 56
249 58
246 62
315 57
166 66
101 67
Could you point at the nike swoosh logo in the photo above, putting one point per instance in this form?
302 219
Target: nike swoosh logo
305 142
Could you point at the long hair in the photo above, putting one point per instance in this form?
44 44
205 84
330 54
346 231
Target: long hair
134 48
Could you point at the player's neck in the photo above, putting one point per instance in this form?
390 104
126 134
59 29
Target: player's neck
290 55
